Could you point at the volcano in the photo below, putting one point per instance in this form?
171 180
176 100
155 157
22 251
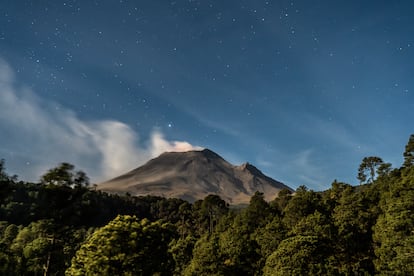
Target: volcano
193 175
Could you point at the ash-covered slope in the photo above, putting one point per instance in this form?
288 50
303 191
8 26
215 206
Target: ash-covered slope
194 175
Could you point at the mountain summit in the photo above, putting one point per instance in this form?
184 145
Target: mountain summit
193 175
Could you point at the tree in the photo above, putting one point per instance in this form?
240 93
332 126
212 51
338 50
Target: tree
353 220
5 185
368 169
8 262
409 152
301 205
3 175
211 209
126 246
393 232
182 251
384 169
270 236
65 175
238 248
282 199
307 251
37 250
80 179
207 259
297 255
258 211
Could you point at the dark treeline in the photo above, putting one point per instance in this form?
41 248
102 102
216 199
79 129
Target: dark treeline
61 226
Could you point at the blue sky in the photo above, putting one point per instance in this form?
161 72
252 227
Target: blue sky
301 89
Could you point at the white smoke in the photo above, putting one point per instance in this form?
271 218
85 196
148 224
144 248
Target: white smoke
160 145
35 130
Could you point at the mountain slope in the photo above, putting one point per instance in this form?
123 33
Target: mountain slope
193 175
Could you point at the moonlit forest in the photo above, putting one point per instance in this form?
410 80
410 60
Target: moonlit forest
63 226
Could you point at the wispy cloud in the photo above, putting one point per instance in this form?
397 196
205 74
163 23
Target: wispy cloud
33 129
338 133
333 131
307 170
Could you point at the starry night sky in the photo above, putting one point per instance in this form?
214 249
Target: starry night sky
301 89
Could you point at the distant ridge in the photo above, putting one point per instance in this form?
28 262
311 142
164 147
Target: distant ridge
193 175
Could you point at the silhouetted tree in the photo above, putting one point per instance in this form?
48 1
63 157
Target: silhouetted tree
409 152
65 175
368 169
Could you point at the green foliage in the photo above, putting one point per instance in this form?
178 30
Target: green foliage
8 263
3 175
297 255
301 205
65 175
63 226
306 251
126 246
207 259
269 237
353 220
257 212
393 231
239 249
208 212
280 202
39 248
368 169
409 152
182 251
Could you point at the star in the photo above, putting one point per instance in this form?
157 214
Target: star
253 75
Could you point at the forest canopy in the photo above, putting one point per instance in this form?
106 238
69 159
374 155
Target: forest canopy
62 226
